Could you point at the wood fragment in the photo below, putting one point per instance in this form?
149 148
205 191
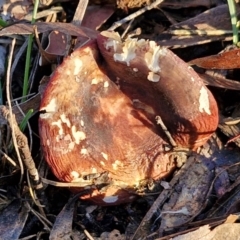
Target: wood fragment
22 145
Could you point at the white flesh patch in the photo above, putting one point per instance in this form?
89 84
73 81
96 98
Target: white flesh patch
153 77
84 151
106 84
65 120
59 125
94 170
96 81
204 101
78 65
135 69
110 199
74 174
102 163
82 123
105 156
78 135
51 107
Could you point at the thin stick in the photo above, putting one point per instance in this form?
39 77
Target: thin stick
21 146
134 15
200 32
8 158
41 218
44 13
29 127
71 184
10 109
127 29
164 128
80 12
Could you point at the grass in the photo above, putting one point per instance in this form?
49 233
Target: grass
234 21
28 55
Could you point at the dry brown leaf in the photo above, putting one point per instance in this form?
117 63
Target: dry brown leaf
67 28
213 19
219 81
12 220
62 228
222 232
225 60
189 195
95 16
58 44
190 3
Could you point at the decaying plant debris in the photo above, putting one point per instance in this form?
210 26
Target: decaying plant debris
200 196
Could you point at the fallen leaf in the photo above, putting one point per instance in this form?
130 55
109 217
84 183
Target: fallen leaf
12 220
95 16
62 227
225 60
212 19
222 232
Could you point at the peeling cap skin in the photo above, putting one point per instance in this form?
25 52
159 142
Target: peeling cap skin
88 127
166 83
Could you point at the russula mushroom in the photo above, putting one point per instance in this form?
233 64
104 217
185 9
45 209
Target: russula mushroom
158 78
105 136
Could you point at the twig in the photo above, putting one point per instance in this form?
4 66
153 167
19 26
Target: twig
200 32
88 235
18 56
80 12
41 218
32 194
8 158
21 146
71 184
44 13
10 115
29 127
134 15
164 128
127 29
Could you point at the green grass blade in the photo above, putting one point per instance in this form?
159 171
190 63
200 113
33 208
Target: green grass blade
234 20
28 56
24 122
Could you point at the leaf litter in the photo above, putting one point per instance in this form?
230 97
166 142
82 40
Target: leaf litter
172 212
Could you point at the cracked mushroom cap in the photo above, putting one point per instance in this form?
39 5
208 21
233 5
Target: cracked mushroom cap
89 129
98 116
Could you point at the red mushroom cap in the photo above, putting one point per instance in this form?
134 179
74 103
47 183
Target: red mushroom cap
98 123
158 78
89 127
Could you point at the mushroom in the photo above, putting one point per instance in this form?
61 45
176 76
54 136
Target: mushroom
159 79
98 116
